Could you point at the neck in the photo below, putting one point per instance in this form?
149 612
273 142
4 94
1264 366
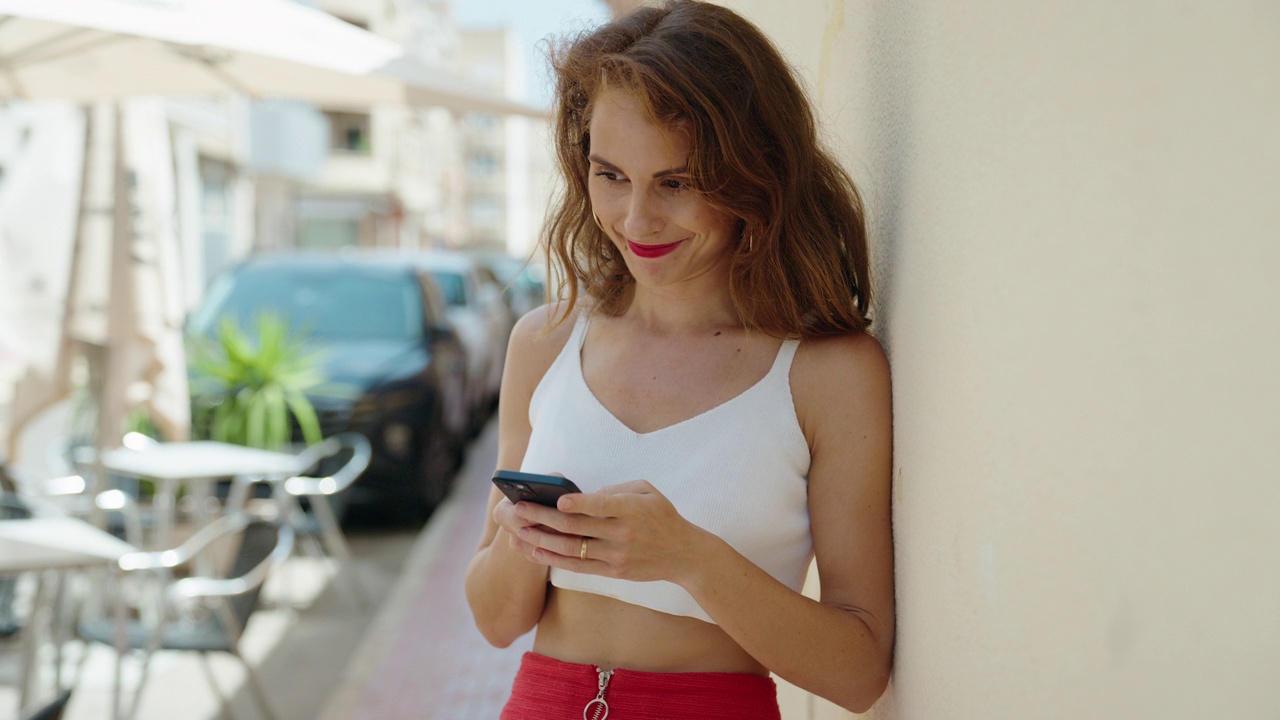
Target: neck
688 307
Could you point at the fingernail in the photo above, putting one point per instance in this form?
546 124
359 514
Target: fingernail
523 532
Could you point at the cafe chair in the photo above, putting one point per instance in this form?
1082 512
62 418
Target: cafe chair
203 614
15 506
67 490
317 525
11 508
52 710
69 496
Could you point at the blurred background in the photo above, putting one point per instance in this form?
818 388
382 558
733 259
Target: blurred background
455 159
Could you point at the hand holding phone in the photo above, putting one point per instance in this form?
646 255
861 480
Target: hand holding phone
533 487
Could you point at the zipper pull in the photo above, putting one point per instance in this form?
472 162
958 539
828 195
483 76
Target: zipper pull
598 708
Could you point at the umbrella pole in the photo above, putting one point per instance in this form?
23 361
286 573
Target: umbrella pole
66 340
111 397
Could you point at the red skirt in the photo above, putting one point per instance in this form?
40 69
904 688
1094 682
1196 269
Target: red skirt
549 689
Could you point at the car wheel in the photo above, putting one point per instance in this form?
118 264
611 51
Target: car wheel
435 466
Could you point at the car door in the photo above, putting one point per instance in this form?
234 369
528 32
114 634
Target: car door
451 356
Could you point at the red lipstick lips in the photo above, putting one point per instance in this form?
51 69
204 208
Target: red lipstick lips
652 251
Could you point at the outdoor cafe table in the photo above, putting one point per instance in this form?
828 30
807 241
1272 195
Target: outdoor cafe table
173 465
59 543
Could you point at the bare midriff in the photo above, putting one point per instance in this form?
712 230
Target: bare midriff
580 627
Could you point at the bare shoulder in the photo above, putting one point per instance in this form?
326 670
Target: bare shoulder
840 380
845 361
537 330
537 339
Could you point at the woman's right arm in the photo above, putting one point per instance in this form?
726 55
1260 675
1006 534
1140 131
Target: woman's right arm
505 590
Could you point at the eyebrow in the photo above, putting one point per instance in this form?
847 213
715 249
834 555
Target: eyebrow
660 174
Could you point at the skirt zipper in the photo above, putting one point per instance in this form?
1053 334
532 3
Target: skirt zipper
598 707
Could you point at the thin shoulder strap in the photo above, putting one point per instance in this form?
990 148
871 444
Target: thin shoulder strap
579 334
566 364
786 353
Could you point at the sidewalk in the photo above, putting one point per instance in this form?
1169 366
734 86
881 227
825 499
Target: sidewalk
422 657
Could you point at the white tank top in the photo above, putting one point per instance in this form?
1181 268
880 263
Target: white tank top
739 470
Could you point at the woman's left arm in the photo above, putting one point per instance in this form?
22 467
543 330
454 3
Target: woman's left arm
839 647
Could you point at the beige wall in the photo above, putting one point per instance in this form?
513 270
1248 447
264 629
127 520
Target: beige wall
1076 209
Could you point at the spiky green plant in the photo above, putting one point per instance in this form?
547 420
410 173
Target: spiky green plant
246 388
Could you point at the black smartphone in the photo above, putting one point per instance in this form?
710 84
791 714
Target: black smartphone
533 487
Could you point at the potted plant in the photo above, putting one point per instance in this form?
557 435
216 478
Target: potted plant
245 389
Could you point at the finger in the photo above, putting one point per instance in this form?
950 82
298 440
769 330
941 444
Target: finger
631 486
503 514
560 544
520 546
607 503
507 516
572 562
567 524
525 536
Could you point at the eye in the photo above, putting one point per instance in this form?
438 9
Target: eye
609 176
675 185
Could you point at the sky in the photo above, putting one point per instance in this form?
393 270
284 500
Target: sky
533 20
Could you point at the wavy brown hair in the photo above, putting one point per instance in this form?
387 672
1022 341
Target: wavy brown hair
800 268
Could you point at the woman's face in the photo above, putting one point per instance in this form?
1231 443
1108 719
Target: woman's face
667 232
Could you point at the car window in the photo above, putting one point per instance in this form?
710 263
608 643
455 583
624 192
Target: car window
333 304
453 286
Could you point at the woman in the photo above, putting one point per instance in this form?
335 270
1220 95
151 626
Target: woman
715 396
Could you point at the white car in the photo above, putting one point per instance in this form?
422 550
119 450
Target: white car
524 282
475 306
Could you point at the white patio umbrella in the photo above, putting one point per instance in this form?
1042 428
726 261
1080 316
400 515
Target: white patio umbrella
102 49
88 50
36 254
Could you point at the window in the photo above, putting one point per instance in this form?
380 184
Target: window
349 132
328 233
328 303
483 162
217 215
482 121
452 286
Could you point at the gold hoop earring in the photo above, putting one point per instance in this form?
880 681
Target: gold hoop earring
599 224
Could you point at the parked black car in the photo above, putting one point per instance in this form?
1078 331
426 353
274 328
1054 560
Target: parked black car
395 367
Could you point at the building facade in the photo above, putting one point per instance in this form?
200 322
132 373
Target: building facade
426 177
391 176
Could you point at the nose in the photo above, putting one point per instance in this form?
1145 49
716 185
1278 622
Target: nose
644 215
